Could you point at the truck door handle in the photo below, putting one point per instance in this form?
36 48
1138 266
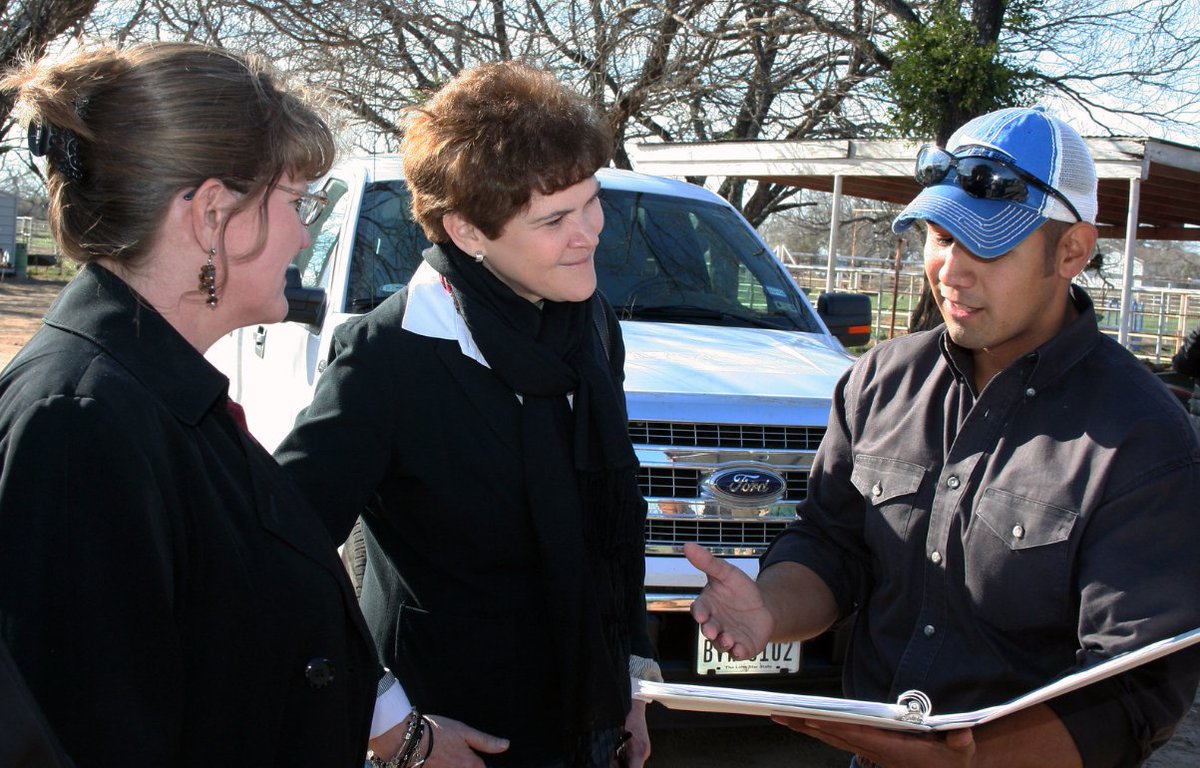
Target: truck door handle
260 340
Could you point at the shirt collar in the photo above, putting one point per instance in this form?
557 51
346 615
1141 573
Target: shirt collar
1051 359
429 310
100 307
1070 345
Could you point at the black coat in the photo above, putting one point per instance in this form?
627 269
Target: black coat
25 737
169 597
1187 362
427 440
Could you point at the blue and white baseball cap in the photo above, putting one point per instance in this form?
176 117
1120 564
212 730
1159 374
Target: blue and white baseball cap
1031 139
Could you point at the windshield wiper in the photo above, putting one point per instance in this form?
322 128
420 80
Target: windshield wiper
686 313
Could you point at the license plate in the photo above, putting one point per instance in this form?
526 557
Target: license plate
776 658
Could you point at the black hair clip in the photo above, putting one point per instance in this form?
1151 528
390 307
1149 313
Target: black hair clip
59 145
39 138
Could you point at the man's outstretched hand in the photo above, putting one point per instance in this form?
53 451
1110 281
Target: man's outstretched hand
730 611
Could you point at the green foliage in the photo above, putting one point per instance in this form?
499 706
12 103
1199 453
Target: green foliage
1022 15
942 76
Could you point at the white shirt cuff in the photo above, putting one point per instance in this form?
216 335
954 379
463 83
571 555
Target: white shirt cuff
391 707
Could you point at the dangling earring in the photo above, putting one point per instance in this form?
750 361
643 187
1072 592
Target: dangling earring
208 280
479 257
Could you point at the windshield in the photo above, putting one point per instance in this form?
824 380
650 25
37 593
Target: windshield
672 259
661 258
387 245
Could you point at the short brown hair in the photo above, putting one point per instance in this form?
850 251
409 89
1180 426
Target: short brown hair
1052 232
154 119
490 138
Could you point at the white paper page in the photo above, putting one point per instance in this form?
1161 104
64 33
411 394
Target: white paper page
704 698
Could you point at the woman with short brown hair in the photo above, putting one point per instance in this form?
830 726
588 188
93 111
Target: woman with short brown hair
477 422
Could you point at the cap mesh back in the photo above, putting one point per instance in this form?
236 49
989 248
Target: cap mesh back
1076 177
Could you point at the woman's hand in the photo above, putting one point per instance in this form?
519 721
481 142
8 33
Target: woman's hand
634 750
454 744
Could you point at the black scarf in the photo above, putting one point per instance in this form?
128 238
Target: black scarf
579 476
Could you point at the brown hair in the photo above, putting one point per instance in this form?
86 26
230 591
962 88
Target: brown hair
490 138
152 120
1052 232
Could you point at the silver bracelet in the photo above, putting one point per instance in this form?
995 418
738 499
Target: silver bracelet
412 739
375 762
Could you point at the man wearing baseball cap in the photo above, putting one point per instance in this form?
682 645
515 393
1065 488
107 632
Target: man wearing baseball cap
999 501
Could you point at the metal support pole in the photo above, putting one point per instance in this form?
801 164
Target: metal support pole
895 289
835 221
1162 322
879 309
1131 226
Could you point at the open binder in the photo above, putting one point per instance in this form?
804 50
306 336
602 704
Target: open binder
913 711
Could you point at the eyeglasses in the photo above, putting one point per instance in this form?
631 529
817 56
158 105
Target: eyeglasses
983 177
309 205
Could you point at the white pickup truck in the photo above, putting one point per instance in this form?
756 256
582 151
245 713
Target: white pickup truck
729 374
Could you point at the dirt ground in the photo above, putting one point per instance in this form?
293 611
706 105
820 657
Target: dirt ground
23 303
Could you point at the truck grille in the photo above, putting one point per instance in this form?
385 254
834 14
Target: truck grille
752 436
681 483
666 531
700 449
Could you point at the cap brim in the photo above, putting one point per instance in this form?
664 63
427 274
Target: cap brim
986 228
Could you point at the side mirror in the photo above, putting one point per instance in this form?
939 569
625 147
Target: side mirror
847 315
305 305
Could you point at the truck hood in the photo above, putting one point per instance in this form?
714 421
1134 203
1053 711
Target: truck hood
668 359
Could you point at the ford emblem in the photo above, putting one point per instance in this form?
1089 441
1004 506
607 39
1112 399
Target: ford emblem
746 485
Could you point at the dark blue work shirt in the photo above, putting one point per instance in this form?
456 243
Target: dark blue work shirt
993 541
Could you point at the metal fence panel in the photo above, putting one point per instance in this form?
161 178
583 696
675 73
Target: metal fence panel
1161 317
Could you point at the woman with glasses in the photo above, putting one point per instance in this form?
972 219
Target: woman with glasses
477 422
167 594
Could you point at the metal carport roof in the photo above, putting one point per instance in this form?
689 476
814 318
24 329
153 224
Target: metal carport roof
1149 189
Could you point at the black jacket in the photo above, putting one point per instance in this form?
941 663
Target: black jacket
1187 362
1187 359
169 597
427 440
25 737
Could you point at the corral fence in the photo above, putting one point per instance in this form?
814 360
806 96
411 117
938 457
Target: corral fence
35 234
1159 321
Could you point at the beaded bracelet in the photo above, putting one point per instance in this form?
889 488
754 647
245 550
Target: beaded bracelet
412 739
428 747
416 726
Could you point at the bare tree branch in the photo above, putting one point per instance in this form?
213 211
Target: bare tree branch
28 27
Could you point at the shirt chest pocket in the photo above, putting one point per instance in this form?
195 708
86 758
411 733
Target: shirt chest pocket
889 487
1017 560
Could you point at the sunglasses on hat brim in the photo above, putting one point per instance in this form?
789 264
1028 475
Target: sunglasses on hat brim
986 178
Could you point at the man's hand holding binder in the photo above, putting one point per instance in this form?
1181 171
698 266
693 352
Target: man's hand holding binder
1030 738
790 602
